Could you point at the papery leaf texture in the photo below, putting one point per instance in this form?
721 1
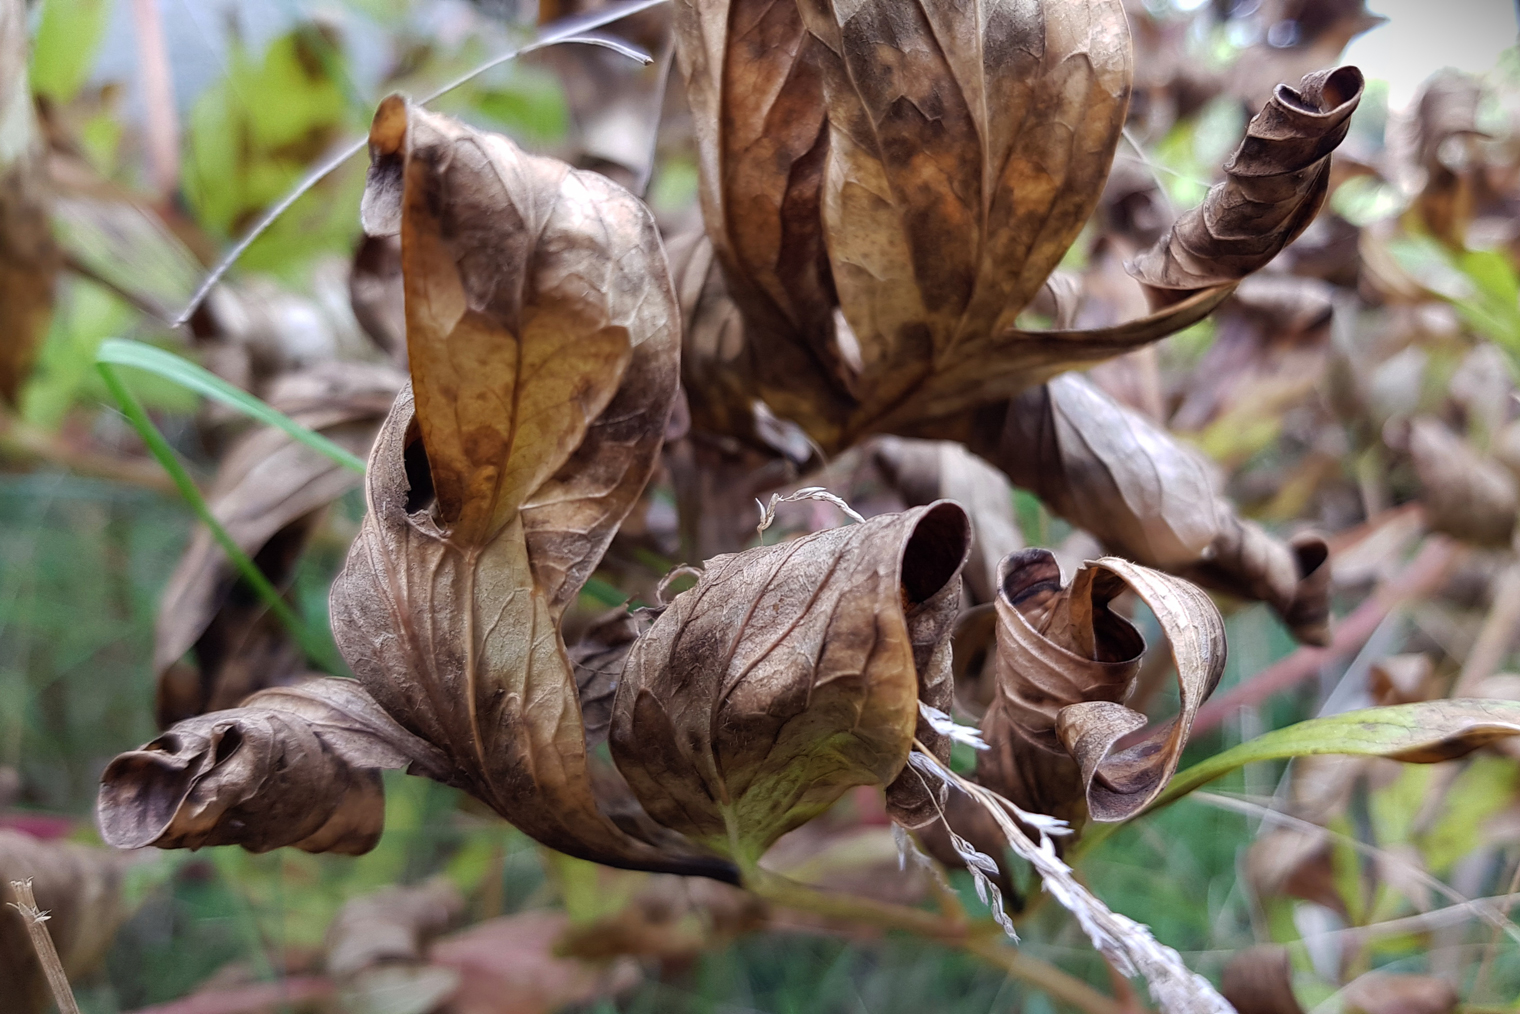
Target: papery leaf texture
885 187
1275 184
791 673
1065 663
542 339
295 765
1152 499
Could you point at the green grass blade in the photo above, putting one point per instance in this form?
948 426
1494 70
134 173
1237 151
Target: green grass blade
1424 732
123 352
316 650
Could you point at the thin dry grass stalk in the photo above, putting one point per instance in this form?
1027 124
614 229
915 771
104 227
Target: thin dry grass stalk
47 954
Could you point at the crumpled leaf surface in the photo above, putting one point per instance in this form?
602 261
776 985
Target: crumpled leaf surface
268 495
81 890
29 257
1066 662
1276 182
542 342
296 765
1149 498
885 187
790 673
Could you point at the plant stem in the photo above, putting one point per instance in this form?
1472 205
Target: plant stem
246 568
47 954
980 938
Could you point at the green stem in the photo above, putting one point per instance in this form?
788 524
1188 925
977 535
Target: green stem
981 938
319 653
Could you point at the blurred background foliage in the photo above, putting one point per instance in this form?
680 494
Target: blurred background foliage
159 166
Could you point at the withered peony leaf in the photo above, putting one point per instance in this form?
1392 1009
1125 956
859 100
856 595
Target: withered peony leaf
542 341
1147 497
1465 494
268 495
296 765
1276 182
29 257
790 673
1066 662
886 186
80 889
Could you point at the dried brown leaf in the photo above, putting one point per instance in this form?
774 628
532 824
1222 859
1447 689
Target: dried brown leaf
1147 497
1276 182
1465 494
268 495
790 673
29 258
1259 980
81 890
885 187
1066 662
293 765
542 341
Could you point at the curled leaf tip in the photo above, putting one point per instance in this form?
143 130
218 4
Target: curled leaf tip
1275 183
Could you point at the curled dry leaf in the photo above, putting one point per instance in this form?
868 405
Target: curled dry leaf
1465 494
1065 663
791 673
81 890
1276 182
29 257
885 187
542 342
1147 497
269 495
292 766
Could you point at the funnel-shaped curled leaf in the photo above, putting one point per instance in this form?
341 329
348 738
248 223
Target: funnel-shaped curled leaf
790 673
886 184
292 766
1275 184
542 341
1066 662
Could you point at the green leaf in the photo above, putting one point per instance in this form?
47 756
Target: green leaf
122 352
1422 733
63 52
